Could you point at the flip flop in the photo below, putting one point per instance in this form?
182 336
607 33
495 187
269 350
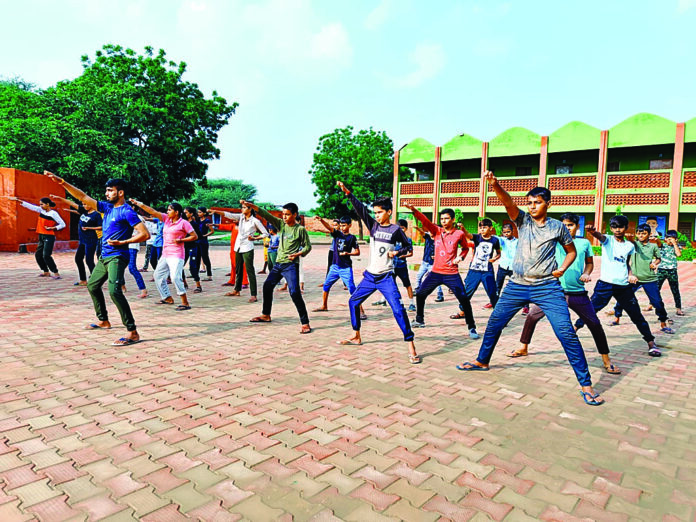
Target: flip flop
308 331
516 353
163 302
472 367
457 316
97 327
592 401
612 370
123 341
259 320
181 308
363 317
414 359
348 342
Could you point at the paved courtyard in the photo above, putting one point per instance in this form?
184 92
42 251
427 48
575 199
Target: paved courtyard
214 418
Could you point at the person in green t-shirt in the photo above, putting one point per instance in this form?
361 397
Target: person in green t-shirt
573 283
644 263
294 243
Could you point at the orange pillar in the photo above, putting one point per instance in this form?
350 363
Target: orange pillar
436 191
483 189
675 185
395 195
601 180
543 160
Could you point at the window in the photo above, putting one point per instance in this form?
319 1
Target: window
613 166
523 171
659 164
564 169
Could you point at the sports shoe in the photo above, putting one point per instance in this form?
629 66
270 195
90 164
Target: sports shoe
412 308
417 324
654 352
488 306
473 334
439 299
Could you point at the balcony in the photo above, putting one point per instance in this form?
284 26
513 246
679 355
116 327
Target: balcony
688 191
420 194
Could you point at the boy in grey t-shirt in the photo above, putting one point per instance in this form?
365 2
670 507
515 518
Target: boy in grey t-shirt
535 280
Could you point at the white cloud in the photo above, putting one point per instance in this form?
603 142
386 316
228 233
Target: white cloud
429 60
685 5
378 15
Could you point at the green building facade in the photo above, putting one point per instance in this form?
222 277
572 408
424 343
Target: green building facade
644 166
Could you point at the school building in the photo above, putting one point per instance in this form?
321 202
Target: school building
645 166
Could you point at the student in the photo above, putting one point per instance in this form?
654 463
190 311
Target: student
118 223
273 242
294 243
401 267
232 228
535 276
616 277
250 229
158 240
133 250
87 236
508 247
427 263
667 269
379 275
266 242
192 249
150 256
573 283
48 223
644 261
335 225
344 246
176 233
446 268
203 245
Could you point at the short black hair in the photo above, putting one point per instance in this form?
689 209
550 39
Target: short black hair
403 223
384 204
292 207
177 207
643 228
47 201
619 221
672 233
569 216
117 183
345 220
654 218
542 192
447 211
486 222
506 225
336 220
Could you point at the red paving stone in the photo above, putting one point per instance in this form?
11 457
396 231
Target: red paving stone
212 418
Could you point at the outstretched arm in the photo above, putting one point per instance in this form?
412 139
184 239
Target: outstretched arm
276 222
360 209
596 233
324 223
64 200
505 198
149 210
427 224
88 202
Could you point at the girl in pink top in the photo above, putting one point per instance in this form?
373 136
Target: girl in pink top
177 231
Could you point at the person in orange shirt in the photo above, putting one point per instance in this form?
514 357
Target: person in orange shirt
232 228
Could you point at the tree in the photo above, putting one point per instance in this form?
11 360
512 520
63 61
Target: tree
364 161
220 193
127 115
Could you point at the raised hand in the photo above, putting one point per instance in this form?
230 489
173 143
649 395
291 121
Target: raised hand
410 206
248 204
590 228
55 178
343 187
490 178
317 218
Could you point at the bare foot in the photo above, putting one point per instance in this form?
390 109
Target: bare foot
261 319
356 340
233 293
253 299
322 309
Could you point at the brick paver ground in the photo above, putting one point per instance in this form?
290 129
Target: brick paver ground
214 418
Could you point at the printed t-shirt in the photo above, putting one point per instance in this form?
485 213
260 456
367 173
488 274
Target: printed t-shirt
483 252
641 259
88 219
343 243
614 256
535 259
174 230
669 258
446 247
400 262
570 280
118 225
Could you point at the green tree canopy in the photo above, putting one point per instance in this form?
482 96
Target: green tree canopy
364 161
127 115
220 193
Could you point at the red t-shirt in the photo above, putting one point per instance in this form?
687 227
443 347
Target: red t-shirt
446 247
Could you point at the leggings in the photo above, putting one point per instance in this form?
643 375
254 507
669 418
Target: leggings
133 269
85 254
195 264
205 257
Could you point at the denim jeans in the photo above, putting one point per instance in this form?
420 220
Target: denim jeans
422 271
291 273
133 268
386 284
344 274
475 277
603 292
580 304
550 298
653 293
500 277
454 283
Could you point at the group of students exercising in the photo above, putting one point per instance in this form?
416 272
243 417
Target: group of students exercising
547 266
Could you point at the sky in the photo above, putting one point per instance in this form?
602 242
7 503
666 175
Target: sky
300 69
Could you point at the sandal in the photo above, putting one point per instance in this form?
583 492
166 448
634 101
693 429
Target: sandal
181 308
414 359
612 370
259 319
517 353
470 367
320 310
97 327
457 316
198 290
124 341
164 302
592 401
680 313
306 330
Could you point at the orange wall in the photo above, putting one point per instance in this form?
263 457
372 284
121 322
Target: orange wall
18 224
